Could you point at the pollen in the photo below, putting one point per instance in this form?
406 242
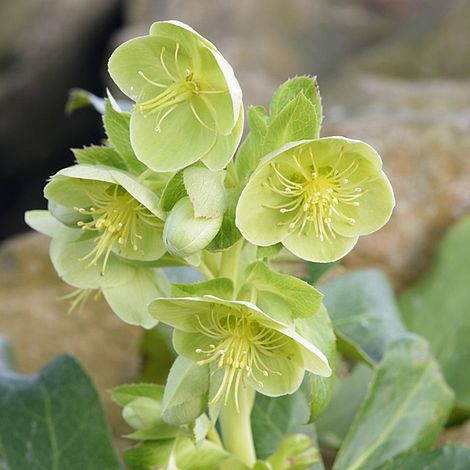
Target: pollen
180 86
240 348
316 196
116 217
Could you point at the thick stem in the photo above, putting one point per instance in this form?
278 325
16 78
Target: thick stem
229 263
236 426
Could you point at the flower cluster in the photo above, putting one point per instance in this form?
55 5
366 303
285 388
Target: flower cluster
164 196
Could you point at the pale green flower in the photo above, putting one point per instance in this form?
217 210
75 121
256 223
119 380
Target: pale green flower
247 346
120 214
188 101
316 197
127 287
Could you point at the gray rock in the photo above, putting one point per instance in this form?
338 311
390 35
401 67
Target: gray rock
46 48
268 41
38 328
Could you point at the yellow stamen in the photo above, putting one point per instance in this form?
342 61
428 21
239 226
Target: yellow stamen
241 346
315 196
116 216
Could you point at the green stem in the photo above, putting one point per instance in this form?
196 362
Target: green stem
230 261
236 426
213 436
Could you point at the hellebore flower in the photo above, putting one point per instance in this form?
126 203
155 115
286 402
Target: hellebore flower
121 214
316 197
237 338
188 101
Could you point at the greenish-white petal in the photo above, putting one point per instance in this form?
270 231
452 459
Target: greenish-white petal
311 248
130 300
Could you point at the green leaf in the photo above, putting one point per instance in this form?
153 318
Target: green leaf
186 391
268 251
405 408
296 121
348 393
451 457
221 287
251 150
274 418
318 330
173 192
436 307
302 299
53 420
291 89
79 98
317 270
228 234
124 394
100 155
206 191
364 313
158 355
149 454
116 124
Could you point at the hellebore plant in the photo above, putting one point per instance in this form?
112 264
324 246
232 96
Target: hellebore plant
164 197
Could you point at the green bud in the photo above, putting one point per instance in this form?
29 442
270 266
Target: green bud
188 101
184 233
316 197
142 413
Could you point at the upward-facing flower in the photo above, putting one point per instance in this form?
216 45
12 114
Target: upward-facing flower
316 197
246 345
188 101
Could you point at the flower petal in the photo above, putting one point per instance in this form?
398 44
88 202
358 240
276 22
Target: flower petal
311 248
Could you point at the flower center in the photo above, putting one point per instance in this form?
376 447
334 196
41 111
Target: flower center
241 346
315 195
115 216
182 87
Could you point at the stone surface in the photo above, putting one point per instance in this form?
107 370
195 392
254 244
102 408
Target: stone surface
38 327
422 131
46 48
438 45
268 41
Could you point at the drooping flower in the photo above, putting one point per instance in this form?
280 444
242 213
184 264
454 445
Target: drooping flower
188 101
244 344
316 197
114 208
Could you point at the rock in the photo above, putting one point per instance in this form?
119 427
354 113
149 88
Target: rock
46 48
436 46
268 41
38 328
422 131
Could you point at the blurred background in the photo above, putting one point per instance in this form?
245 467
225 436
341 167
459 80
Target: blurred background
394 73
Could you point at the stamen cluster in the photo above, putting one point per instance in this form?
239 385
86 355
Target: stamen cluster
240 347
115 216
314 195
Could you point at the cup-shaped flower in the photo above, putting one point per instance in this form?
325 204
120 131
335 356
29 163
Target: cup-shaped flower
188 101
316 197
247 346
120 213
